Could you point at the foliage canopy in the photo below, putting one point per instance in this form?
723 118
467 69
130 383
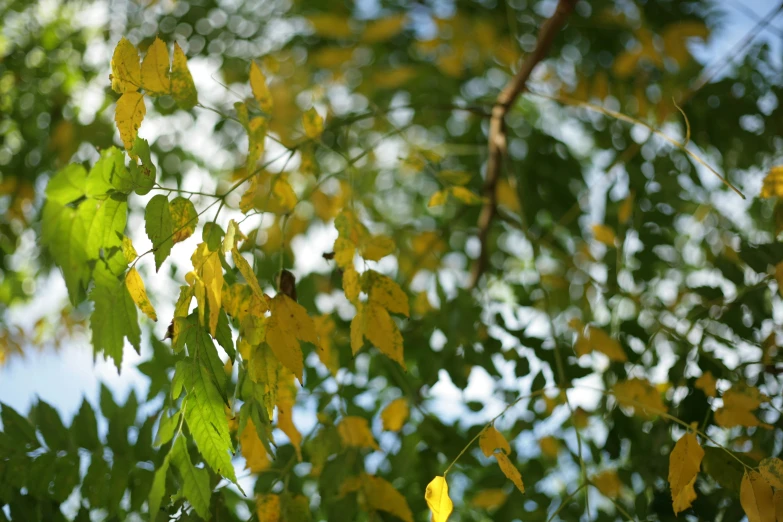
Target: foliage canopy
395 260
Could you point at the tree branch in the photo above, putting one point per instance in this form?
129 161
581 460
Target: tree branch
497 128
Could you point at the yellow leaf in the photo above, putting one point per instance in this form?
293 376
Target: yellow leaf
313 123
510 471
386 292
626 209
383 29
289 324
437 497
182 87
256 458
265 370
508 196
438 199
324 327
489 498
155 79
351 284
773 183
377 247
608 483
286 398
738 405
330 25
355 432
491 439
466 196
128 115
125 68
596 339
550 447
260 90
374 322
284 193
256 136
395 414
604 234
128 251
454 177
139 293
684 462
344 251
771 469
639 394
707 384
756 498
381 496
268 507
209 270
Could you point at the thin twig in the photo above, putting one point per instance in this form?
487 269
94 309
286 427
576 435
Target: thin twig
497 128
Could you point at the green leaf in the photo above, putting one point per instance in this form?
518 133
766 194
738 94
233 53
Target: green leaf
114 317
50 425
166 427
108 174
206 417
195 481
159 228
158 489
142 176
84 428
201 347
96 481
68 185
224 337
17 427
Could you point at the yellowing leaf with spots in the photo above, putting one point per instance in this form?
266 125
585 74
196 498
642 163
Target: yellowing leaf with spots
771 469
128 115
510 471
289 324
684 462
489 498
207 265
491 439
383 29
286 398
139 294
376 248
437 497
608 483
247 272
395 414
155 78
125 68
640 395
256 457
313 123
351 284
182 87
385 292
707 384
373 322
260 89
604 234
268 507
756 497
266 371
183 218
355 432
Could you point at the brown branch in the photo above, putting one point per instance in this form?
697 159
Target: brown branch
497 128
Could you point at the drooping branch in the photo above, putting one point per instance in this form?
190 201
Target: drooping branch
497 128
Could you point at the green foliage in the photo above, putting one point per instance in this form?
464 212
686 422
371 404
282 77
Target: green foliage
590 322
